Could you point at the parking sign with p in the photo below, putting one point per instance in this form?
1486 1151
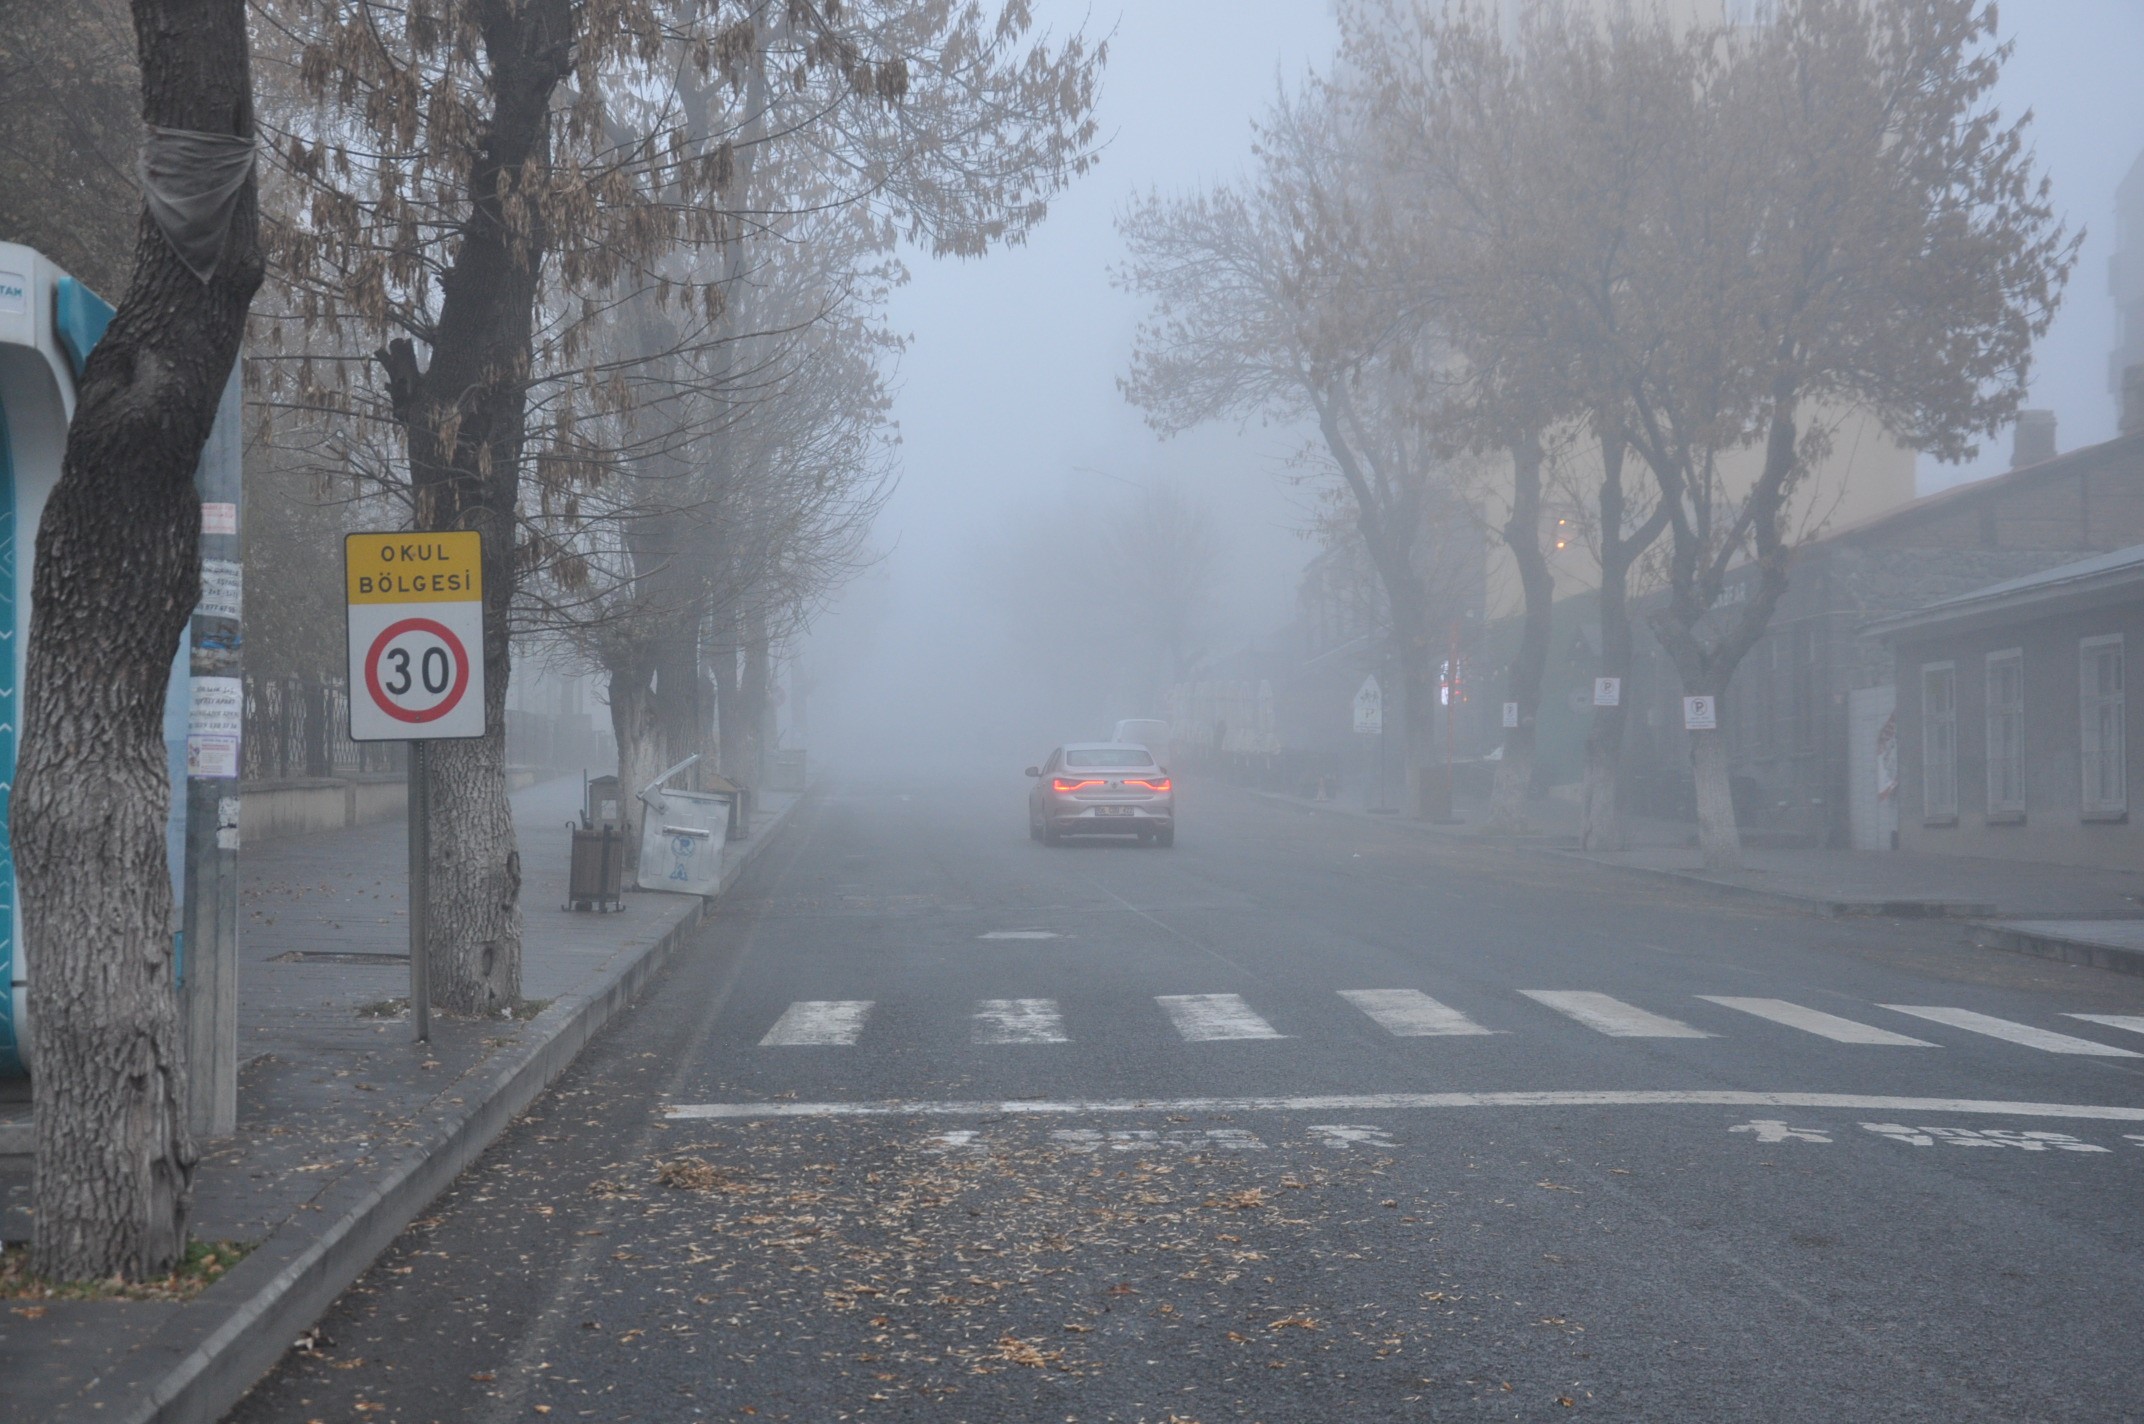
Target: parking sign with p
416 611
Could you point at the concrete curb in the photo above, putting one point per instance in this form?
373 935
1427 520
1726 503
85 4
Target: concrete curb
2118 958
1786 899
220 1343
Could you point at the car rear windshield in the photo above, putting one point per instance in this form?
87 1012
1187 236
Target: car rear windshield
1109 756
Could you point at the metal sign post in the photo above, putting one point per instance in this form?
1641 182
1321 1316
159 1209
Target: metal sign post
416 629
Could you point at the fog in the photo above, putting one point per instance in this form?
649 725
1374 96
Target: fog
1017 446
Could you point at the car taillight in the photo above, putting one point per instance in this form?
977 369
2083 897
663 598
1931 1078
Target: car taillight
1060 784
1161 785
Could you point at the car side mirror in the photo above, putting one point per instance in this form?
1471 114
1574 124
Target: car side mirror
1034 771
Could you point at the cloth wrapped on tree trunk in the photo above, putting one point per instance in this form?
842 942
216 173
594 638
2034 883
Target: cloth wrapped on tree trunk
191 181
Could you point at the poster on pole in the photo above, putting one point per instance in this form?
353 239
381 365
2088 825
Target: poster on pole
416 628
1700 714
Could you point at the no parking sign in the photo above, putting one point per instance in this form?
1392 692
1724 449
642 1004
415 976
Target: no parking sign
416 606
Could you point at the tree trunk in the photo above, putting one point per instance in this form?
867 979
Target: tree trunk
1717 836
1600 825
1600 819
1428 789
755 690
116 577
464 416
640 752
1522 535
729 709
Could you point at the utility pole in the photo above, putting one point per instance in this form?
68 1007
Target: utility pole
215 721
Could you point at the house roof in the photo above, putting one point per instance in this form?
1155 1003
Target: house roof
2084 580
2122 450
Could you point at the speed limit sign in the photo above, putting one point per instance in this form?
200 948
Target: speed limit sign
416 605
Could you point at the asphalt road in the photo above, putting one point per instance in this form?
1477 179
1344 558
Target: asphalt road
939 1124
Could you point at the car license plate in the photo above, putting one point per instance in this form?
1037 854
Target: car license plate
1112 810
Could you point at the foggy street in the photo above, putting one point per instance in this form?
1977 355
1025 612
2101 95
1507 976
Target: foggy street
1306 1118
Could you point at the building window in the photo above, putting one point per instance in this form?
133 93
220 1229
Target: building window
1939 741
2006 735
2103 741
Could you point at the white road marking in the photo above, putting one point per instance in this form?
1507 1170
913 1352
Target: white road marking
2044 1039
1612 1016
1376 1102
1092 1139
1772 1129
1981 1137
1018 1021
818 1023
1410 1013
1021 934
1209 1018
2132 1022
1345 1135
1816 1021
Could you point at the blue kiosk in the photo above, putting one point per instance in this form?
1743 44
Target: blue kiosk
48 323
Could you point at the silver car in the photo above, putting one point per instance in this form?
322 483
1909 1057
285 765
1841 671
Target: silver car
1101 789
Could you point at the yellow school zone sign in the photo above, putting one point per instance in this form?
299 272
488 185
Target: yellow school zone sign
416 628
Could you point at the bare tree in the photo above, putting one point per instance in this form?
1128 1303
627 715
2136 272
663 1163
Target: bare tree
1164 556
1258 310
474 181
1845 223
1525 169
116 577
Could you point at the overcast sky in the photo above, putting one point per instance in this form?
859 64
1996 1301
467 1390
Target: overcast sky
1008 405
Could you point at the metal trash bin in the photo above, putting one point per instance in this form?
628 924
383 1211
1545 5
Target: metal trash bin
597 878
602 804
681 835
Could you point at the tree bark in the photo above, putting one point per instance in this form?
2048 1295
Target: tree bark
116 577
1522 535
755 689
632 723
1600 824
1717 836
729 704
1428 789
464 416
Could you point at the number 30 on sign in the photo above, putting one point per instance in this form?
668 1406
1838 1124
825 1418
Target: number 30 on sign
416 605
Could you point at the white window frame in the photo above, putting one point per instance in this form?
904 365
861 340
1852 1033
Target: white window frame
2008 807
1939 768
2102 732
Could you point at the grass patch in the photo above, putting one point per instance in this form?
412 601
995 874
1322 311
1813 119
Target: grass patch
204 1264
526 1009
384 1009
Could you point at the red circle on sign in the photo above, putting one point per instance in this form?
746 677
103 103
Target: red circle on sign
417 625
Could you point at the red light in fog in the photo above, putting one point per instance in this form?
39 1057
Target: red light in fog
1161 785
1060 784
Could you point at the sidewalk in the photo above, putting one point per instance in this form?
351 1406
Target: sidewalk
2080 914
347 1127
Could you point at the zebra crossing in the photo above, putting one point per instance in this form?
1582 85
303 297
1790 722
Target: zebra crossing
1410 1013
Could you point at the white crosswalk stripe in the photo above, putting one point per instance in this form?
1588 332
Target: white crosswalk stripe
818 1023
1209 1018
2045 1040
1816 1021
1018 1021
1604 1014
2134 1023
1410 1013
